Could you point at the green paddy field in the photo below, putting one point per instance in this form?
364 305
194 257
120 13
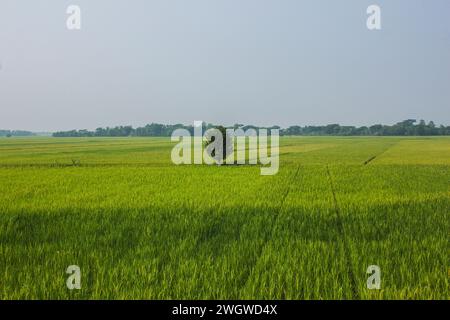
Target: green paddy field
140 227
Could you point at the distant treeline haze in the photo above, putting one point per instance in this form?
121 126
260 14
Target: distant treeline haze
405 128
408 127
15 133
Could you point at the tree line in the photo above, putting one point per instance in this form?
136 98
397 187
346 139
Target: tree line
408 127
15 133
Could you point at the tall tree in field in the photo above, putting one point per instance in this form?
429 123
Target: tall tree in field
226 148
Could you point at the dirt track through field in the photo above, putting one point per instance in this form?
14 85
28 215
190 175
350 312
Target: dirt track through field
346 249
378 155
273 223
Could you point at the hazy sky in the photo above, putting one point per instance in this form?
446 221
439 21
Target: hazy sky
223 61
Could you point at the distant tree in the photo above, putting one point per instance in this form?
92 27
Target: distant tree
376 130
227 146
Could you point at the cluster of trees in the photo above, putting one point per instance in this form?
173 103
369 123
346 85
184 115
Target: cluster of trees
15 133
408 127
150 130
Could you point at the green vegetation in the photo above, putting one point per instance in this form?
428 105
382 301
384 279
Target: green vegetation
226 145
15 133
404 128
140 227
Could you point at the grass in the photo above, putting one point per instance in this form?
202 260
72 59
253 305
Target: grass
140 227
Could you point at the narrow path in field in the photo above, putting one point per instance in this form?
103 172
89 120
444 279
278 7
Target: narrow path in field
340 225
273 224
369 160
380 154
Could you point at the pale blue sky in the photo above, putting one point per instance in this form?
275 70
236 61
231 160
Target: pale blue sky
224 61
